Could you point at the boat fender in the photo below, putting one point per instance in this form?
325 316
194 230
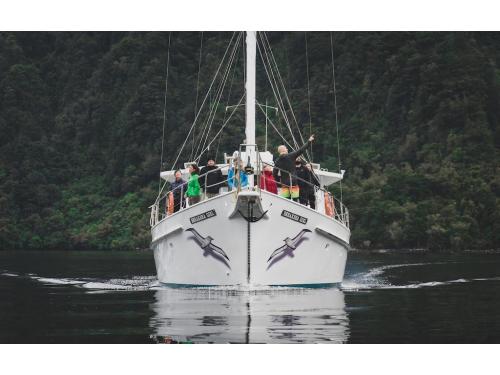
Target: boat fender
170 205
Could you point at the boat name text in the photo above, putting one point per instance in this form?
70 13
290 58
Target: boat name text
204 216
294 217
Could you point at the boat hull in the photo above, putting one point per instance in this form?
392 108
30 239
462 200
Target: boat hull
212 244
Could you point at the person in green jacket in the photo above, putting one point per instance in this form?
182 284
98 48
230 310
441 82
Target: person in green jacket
193 188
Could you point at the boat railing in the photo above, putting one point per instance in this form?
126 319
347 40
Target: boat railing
164 206
333 207
165 203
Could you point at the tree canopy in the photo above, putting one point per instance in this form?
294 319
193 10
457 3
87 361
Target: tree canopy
81 117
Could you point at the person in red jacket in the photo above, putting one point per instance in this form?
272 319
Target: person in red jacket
267 181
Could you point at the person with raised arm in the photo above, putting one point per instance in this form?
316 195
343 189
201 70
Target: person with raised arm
284 171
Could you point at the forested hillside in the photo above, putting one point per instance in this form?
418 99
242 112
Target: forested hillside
81 130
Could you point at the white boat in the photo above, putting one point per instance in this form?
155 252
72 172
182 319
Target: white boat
248 236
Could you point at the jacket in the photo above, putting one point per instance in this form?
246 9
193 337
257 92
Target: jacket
267 182
177 190
307 179
232 182
286 162
193 188
214 179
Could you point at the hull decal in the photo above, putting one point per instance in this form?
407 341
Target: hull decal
287 249
206 244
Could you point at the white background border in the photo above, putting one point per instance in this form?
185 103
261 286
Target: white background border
268 15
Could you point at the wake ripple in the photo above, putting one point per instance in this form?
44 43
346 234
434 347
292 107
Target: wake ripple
370 280
130 284
373 279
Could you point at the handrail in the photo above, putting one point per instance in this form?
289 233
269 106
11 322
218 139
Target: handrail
339 211
333 207
157 215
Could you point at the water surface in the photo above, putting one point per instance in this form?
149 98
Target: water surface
114 297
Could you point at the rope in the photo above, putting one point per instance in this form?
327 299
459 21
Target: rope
284 89
202 104
274 127
197 91
198 114
275 67
213 107
223 125
222 86
275 89
275 86
308 91
220 91
336 116
225 112
164 111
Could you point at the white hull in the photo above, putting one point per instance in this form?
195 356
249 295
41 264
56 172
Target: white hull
318 258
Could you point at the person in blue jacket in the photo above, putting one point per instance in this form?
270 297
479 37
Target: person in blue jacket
235 180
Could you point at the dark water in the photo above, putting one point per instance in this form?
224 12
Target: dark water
88 297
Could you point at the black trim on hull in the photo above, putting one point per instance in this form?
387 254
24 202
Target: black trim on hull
333 238
165 235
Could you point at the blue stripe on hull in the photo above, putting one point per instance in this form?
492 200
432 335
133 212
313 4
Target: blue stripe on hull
306 286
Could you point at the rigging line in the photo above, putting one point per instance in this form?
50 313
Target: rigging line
225 112
275 65
281 104
164 111
224 125
197 91
214 104
202 104
198 77
274 127
308 91
284 89
221 90
336 115
274 88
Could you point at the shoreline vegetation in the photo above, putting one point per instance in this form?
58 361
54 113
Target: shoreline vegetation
81 117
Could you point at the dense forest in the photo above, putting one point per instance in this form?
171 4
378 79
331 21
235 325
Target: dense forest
81 117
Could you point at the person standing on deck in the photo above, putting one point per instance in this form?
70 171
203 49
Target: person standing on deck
236 177
285 166
178 189
308 182
267 180
211 179
193 187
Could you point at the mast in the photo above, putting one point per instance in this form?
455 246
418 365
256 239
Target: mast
251 42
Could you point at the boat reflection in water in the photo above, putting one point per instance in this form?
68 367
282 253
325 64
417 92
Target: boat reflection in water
268 316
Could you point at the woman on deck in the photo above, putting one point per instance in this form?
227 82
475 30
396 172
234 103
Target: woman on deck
193 188
267 181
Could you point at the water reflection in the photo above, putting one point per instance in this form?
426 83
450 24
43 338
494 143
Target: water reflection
270 316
